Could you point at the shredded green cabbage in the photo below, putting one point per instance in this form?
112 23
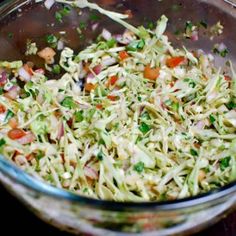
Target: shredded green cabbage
157 124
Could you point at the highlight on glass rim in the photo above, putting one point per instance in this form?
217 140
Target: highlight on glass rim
128 118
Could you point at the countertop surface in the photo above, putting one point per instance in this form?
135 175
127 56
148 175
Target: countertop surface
21 218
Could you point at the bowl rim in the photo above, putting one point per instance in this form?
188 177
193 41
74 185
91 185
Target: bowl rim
18 176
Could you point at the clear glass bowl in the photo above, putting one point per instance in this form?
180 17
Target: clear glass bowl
78 214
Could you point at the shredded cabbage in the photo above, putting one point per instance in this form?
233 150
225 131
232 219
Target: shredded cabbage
156 123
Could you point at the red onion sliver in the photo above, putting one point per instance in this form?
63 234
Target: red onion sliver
94 26
13 92
24 74
28 138
3 78
90 172
60 131
194 36
97 69
106 34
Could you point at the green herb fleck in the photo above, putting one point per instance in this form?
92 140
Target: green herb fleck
94 17
58 16
10 35
189 25
111 43
68 102
82 25
9 115
79 116
175 106
224 163
63 12
212 119
231 105
2 142
100 156
144 128
85 190
193 152
56 69
150 25
135 45
139 167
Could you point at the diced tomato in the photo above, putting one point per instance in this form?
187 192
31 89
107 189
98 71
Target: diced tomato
172 83
28 69
89 87
29 157
13 122
112 80
151 73
47 54
86 67
112 97
227 78
99 106
174 61
2 108
123 55
16 133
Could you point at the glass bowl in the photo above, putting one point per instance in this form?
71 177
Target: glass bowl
22 20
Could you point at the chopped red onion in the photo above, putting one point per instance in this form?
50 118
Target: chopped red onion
24 74
61 131
13 92
200 124
90 172
3 78
97 69
194 36
106 34
94 26
28 138
121 39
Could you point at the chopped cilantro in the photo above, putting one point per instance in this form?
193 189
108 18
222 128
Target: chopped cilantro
10 35
135 45
144 128
100 156
56 69
139 167
94 17
82 25
9 115
212 119
79 116
2 142
224 163
193 152
111 43
231 105
68 102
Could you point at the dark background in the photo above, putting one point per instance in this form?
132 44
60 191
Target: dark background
23 221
